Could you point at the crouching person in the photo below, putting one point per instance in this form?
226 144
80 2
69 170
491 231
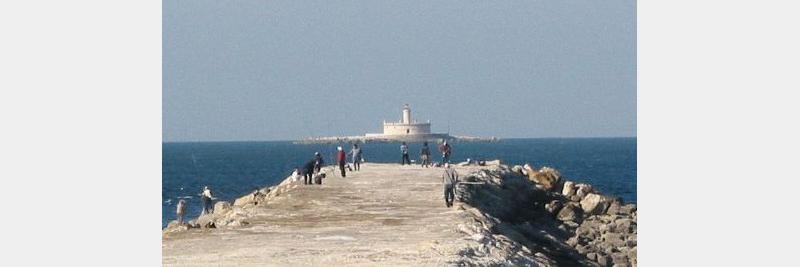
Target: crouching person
308 171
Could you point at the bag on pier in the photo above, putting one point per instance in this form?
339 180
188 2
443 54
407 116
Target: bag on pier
318 178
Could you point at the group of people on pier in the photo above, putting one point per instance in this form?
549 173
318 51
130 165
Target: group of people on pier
425 154
312 175
311 169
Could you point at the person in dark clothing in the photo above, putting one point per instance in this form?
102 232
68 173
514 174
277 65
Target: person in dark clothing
425 155
356 154
206 197
308 171
341 159
318 162
404 150
446 150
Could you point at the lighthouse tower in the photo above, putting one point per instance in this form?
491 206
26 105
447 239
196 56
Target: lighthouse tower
406 114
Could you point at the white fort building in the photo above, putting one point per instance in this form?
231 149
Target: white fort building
407 129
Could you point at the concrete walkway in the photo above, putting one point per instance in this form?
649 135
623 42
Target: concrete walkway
384 215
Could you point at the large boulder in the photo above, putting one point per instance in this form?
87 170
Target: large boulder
594 204
570 212
547 178
516 169
222 207
569 189
583 190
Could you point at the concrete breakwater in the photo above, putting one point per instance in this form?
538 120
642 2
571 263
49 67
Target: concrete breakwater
389 214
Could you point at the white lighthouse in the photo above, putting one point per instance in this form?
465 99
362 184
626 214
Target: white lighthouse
406 114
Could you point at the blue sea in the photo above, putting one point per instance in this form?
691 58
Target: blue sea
232 169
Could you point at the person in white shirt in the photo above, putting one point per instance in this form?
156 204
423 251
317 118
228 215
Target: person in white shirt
404 151
206 197
449 179
181 210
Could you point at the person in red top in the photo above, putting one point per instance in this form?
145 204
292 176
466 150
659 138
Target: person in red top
341 158
446 150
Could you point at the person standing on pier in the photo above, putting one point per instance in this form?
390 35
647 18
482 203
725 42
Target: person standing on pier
308 171
425 155
450 179
181 210
318 162
404 150
356 154
341 159
446 150
206 197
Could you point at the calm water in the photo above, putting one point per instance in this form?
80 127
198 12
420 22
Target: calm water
232 169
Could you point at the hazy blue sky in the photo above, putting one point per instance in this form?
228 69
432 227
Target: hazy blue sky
284 70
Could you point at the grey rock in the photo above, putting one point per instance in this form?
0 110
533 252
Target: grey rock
553 207
581 249
572 224
624 225
174 226
632 256
569 189
630 242
595 204
583 190
619 259
517 169
628 209
614 208
221 207
614 239
592 256
569 212
572 241
603 260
